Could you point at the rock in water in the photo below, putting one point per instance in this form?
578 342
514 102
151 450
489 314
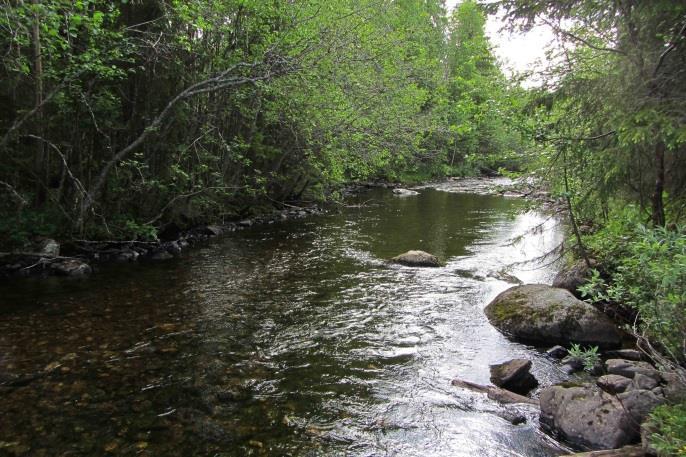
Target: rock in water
49 248
541 314
587 417
557 352
417 259
404 192
514 376
71 267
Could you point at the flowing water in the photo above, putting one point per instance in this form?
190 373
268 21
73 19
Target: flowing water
291 339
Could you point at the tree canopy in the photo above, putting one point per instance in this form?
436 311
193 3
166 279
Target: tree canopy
116 109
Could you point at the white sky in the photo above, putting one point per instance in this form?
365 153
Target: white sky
517 51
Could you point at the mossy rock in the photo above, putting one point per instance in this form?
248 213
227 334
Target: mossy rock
540 314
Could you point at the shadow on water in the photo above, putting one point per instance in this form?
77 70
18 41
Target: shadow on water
290 339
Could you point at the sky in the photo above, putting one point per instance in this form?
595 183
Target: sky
517 51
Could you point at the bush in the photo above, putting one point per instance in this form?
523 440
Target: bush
589 357
645 269
670 423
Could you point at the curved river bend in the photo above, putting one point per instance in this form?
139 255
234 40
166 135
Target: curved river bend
292 339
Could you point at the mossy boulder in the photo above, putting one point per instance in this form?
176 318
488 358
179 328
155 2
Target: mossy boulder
540 314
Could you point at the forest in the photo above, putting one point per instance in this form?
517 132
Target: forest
122 118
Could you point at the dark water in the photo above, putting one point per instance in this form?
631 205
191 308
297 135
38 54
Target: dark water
290 339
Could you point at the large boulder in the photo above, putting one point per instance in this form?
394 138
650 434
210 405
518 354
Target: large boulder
71 267
417 259
514 376
540 314
571 277
587 417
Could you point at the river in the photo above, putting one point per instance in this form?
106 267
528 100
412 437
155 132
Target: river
289 339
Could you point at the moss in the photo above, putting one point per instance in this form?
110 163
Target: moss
516 308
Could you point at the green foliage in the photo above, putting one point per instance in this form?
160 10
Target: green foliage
18 229
135 231
589 357
318 93
645 270
670 422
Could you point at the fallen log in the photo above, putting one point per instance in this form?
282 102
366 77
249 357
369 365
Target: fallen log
494 393
626 451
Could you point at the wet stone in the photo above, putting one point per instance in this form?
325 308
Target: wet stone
557 352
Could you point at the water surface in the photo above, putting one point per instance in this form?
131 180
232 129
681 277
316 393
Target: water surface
292 339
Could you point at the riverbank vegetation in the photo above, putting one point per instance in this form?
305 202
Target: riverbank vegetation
121 117
613 136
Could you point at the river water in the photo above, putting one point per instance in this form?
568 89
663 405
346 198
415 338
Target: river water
291 339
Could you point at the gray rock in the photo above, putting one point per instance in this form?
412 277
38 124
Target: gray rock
127 256
557 352
629 368
541 314
71 267
571 367
639 403
613 383
675 386
161 255
512 416
404 192
586 417
213 230
643 382
245 223
570 278
173 248
417 259
514 376
627 354
49 248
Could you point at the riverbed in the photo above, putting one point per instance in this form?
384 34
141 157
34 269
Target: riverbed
290 339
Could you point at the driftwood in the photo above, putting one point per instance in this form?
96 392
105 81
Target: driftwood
495 393
626 451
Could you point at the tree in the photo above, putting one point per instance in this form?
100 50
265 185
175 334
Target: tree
618 83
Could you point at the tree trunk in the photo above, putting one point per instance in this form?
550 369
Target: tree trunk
657 201
572 219
39 159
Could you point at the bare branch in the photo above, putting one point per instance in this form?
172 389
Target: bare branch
22 201
670 48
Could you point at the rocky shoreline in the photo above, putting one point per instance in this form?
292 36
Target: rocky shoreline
606 408
79 258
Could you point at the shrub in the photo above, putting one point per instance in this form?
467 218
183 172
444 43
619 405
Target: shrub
589 357
670 423
646 270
